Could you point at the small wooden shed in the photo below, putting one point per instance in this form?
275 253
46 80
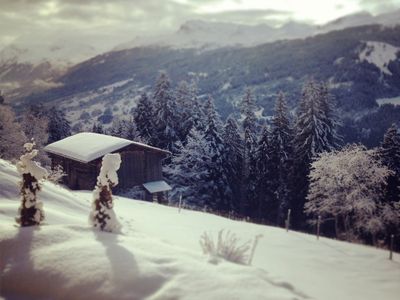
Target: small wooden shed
80 157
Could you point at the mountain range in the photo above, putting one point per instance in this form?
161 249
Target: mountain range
31 66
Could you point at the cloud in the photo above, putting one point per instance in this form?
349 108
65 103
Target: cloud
106 23
381 6
249 16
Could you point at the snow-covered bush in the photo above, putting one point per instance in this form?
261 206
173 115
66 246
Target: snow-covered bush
226 247
102 215
31 211
347 186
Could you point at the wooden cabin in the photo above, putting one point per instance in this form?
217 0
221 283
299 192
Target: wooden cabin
80 157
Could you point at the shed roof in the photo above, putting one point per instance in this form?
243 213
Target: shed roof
87 146
157 186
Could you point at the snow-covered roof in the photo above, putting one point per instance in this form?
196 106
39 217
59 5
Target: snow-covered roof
157 186
87 146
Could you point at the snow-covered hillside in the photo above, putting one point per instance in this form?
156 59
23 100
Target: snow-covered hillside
158 256
379 54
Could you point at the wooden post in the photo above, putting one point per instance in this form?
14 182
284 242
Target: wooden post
288 220
318 226
180 203
391 246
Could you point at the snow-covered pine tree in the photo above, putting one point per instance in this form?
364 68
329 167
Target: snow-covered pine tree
250 140
166 134
389 152
281 157
117 128
315 132
189 170
144 118
58 126
216 184
11 136
98 128
332 121
102 215
233 162
198 114
347 185
125 129
264 204
184 103
31 211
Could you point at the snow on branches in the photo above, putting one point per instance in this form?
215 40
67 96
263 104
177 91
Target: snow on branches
348 185
102 215
31 211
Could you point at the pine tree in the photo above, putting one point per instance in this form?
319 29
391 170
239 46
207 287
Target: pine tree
233 162
197 115
217 180
189 170
281 158
263 200
166 134
117 128
316 132
389 152
58 125
11 136
98 128
31 211
184 102
144 118
125 129
250 132
102 215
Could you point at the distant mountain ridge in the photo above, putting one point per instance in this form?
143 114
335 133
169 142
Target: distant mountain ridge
212 35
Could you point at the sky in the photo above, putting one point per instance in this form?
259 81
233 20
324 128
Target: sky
109 22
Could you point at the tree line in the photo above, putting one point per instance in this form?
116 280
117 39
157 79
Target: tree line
260 170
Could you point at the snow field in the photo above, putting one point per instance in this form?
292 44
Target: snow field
158 256
379 54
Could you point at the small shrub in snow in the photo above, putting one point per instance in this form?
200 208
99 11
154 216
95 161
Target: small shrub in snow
102 215
226 247
31 211
56 174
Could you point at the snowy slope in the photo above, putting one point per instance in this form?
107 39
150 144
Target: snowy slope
379 54
158 256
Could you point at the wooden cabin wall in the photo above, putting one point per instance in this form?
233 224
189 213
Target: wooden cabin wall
132 168
153 170
79 176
